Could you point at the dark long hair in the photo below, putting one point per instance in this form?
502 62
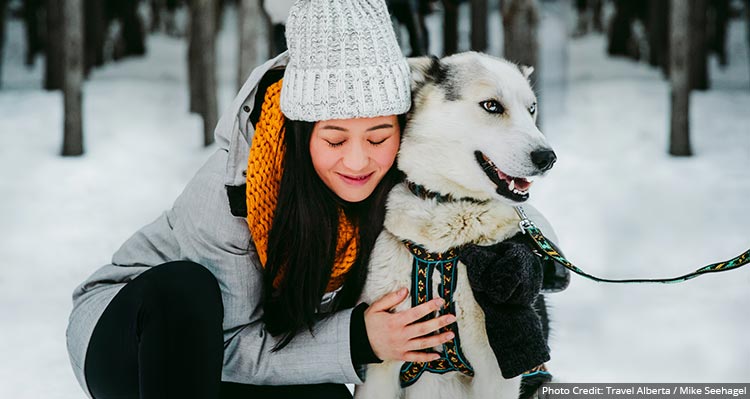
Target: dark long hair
304 235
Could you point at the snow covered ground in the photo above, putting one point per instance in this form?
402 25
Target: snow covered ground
621 206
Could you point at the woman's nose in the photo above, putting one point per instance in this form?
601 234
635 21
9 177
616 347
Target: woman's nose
356 157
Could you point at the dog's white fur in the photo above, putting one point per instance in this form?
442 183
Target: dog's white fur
446 125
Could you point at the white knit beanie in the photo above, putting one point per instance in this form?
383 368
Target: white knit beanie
344 62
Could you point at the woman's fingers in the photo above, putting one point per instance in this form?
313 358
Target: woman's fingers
399 336
411 315
429 341
420 357
429 326
389 301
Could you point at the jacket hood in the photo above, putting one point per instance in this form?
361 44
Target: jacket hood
233 133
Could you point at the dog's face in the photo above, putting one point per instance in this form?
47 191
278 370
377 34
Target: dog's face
472 129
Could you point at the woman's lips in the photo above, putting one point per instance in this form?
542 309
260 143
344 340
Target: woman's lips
356 180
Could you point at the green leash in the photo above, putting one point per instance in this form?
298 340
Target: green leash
528 227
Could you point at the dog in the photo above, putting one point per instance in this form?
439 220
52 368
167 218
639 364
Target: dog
471 136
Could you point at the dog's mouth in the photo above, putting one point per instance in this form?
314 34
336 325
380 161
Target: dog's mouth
514 188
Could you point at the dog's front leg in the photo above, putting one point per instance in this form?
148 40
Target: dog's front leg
381 382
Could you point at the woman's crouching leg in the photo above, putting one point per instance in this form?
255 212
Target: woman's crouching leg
160 337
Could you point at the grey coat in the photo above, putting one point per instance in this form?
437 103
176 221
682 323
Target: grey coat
201 228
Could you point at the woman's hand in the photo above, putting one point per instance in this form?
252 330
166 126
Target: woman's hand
397 336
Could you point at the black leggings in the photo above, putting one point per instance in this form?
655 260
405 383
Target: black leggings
161 337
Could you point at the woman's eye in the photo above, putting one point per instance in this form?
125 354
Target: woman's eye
336 144
532 109
492 106
378 142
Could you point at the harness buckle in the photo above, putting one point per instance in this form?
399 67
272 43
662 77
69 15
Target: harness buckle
525 224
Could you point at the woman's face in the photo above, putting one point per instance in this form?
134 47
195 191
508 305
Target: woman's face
351 156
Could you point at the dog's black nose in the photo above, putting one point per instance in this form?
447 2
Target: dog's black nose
543 159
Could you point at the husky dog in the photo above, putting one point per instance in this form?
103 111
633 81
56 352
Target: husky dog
471 135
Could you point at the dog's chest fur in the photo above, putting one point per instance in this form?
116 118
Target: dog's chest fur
437 227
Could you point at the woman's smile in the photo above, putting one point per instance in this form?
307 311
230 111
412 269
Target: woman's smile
356 180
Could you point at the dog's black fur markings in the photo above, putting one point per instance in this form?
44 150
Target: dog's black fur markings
441 75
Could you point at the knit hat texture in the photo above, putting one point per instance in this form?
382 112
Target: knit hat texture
344 62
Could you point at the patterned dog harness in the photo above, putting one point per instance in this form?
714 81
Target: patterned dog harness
424 263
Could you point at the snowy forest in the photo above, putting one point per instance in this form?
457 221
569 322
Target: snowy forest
107 108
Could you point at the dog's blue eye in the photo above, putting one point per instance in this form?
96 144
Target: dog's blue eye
492 106
532 109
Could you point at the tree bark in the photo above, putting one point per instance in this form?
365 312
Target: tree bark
73 60
132 29
658 34
249 21
521 29
620 34
54 52
718 37
31 16
520 26
95 28
194 81
450 27
597 14
3 7
698 45
679 135
202 65
747 29
479 25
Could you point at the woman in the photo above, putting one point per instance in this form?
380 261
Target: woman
246 286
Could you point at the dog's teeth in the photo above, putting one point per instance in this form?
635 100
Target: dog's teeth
512 185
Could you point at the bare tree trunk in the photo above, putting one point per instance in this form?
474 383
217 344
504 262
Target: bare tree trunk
3 7
53 63
698 45
597 14
157 6
479 25
407 13
718 37
747 28
95 29
73 60
658 34
520 26
620 31
249 24
202 65
132 29
679 135
450 27
195 83
418 35
31 16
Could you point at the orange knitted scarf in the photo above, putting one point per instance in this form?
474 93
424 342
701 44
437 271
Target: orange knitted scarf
264 170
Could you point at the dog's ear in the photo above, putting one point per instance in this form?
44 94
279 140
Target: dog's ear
426 69
420 70
526 70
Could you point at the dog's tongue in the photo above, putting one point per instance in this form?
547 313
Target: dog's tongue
521 183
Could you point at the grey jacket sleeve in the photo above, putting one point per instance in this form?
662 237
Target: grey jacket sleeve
201 228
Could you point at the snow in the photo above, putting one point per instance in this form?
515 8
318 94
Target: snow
621 206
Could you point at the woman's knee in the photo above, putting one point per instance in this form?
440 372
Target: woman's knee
183 286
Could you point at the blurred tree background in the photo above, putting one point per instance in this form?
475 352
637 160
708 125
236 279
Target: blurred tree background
75 36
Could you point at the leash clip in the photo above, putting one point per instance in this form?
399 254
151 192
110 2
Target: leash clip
525 224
